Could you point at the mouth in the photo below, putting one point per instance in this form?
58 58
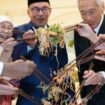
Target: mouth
41 19
4 35
91 24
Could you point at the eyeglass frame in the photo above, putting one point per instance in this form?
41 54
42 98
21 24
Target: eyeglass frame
42 9
90 12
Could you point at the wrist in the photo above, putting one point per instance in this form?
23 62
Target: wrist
94 39
4 48
6 70
101 77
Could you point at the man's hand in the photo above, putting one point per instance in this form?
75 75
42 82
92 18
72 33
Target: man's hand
85 30
6 88
30 34
18 69
102 45
92 78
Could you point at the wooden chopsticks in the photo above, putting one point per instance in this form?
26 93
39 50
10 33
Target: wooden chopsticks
25 39
20 92
70 28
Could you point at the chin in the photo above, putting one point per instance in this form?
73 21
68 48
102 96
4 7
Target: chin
41 24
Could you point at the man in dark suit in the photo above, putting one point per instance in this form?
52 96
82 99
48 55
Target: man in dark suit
39 12
92 13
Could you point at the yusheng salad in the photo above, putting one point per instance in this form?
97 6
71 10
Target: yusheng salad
61 90
47 38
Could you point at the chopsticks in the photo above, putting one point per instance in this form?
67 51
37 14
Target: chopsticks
70 28
20 92
15 31
67 28
76 96
37 73
25 39
83 55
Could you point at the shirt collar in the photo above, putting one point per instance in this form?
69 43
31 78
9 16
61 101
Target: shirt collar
98 27
34 27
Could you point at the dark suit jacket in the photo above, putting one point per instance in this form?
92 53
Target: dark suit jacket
81 44
45 64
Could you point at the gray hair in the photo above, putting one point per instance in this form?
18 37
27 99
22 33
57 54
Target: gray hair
99 2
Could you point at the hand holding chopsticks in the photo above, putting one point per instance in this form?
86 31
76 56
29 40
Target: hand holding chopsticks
6 88
11 89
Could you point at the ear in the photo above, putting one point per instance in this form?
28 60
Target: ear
103 7
50 11
28 12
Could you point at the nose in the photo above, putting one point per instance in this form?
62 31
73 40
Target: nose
6 30
87 18
40 12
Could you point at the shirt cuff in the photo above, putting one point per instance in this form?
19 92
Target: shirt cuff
1 67
103 74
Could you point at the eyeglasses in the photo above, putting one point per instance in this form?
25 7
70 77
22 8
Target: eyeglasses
90 12
43 9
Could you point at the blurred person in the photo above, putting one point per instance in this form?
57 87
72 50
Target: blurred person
6 45
92 13
39 12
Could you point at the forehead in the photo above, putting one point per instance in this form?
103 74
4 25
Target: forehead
87 4
6 23
40 4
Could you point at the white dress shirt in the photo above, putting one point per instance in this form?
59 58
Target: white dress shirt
98 27
103 74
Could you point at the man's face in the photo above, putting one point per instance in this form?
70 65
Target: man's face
39 13
6 30
91 13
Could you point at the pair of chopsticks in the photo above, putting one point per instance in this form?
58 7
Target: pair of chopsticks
70 28
25 39
76 96
37 73
67 29
82 57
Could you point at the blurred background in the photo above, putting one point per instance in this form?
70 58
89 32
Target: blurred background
64 12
